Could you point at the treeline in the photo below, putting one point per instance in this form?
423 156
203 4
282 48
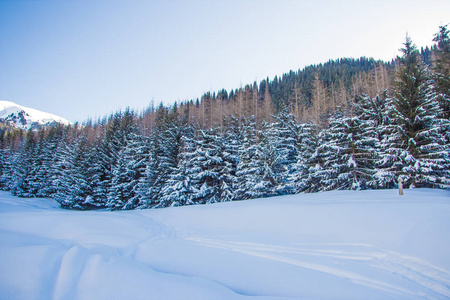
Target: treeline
347 124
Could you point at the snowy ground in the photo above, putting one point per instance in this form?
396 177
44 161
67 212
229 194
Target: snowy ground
334 245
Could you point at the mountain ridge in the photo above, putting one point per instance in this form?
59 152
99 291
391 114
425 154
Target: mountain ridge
22 117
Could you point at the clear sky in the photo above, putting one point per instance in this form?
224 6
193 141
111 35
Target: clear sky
88 58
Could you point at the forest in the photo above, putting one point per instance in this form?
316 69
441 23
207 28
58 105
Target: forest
346 124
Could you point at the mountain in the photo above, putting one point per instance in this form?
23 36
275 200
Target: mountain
18 116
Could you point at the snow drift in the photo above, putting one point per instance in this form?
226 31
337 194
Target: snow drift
332 245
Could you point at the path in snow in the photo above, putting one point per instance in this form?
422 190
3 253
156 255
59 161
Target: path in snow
348 256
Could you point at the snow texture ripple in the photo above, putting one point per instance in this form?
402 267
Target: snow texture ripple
331 245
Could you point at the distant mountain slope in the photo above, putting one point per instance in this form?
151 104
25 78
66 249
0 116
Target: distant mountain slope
22 117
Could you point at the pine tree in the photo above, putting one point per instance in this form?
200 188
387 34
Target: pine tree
283 136
415 147
257 168
441 75
6 168
232 142
171 130
113 160
297 143
372 111
150 185
48 143
130 167
211 168
25 161
75 188
441 61
179 188
345 157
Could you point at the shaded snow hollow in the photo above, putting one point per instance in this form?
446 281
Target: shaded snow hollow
332 245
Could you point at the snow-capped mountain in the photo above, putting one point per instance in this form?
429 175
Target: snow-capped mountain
25 118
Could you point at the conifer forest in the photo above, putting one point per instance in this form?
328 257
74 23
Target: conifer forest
346 124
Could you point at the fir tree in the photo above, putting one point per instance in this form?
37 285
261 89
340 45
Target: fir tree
295 143
415 147
346 155
179 188
25 161
441 75
150 184
256 171
75 189
211 168
372 111
130 167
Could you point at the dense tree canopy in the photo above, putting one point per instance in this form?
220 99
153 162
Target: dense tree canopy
345 124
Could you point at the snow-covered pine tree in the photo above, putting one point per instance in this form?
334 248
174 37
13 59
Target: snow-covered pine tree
233 138
59 165
6 163
295 144
441 70
5 168
98 173
106 154
137 155
371 110
441 78
150 184
247 151
75 188
211 168
171 129
307 136
40 168
117 194
257 168
179 188
282 139
24 167
130 167
415 148
345 157
113 158
48 143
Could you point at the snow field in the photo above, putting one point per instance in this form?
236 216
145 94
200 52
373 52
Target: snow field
332 245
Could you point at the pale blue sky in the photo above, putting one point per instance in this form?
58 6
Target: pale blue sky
88 58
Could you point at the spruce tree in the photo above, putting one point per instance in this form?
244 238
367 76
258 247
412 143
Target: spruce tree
75 187
150 184
415 148
211 168
179 188
257 168
25 162
295 143
441 75
345 157
372 111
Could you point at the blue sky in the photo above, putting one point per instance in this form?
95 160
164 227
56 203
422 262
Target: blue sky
87 58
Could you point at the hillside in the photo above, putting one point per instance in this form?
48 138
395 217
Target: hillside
366 125
332 245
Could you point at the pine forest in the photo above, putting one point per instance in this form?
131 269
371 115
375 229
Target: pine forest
347 124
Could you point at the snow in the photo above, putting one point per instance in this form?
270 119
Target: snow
330 245
32 115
